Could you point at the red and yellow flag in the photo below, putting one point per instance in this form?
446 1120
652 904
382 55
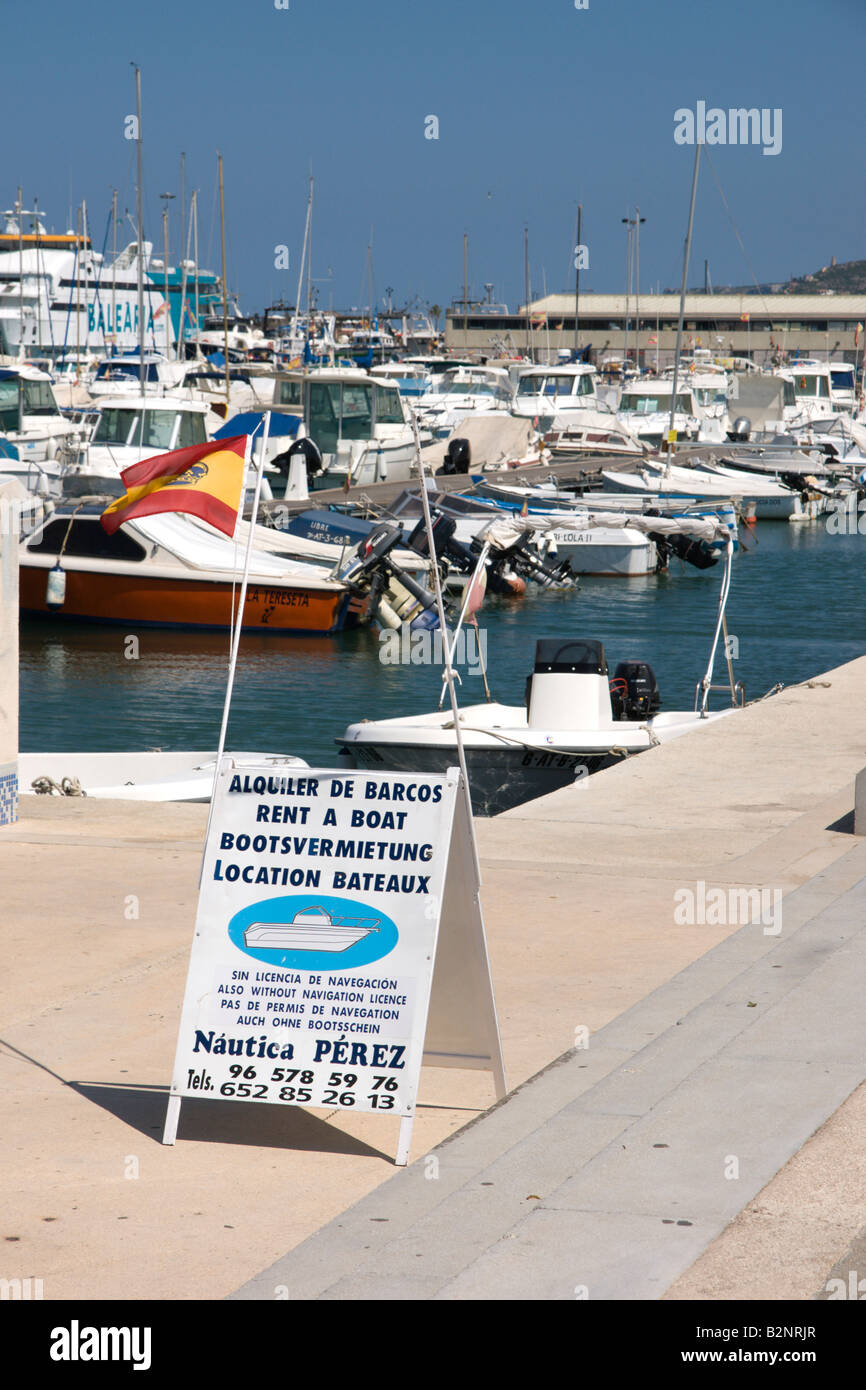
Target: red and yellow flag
204 480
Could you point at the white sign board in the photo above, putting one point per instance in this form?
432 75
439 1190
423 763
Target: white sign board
316 939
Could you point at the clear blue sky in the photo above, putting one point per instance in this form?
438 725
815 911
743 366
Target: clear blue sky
539 105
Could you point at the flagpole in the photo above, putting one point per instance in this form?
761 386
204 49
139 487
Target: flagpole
448 671
239 620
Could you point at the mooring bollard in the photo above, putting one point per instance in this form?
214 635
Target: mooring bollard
860 803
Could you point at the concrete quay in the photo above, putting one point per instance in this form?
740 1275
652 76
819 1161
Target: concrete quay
700 1146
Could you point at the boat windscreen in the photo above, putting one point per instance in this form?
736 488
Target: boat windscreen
124 427
843 381
87 539
811 385
653 403
9 419
37 398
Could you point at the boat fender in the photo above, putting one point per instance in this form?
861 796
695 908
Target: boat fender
55 588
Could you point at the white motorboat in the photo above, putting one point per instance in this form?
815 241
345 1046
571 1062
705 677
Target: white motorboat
590 432
121 376
577 721
361 426
30 418
813 499
773 501
548 393
461 393
843 387
311 929
145 776
812 387
645 409
128 429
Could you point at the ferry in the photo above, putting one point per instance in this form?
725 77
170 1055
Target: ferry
58 295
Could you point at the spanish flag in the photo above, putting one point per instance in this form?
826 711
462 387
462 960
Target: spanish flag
204 480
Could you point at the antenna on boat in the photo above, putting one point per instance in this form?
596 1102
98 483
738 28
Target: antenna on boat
140 233
683 298
225 284
307 229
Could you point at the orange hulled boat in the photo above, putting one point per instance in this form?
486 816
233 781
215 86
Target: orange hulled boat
170 570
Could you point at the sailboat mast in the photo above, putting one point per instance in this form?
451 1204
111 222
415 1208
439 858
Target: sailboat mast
140 258
19 206
683 294
167 309
466 292
184 251
86 268
225 285
310 268
78 296
182 242
577 281
529 342
113 269
195 271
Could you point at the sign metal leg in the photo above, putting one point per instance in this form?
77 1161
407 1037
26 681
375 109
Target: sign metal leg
172 1116
405 1140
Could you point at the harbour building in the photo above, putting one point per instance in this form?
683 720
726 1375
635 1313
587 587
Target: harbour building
767 328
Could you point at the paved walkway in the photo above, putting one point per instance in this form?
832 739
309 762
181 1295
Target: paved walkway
98 907
610 1173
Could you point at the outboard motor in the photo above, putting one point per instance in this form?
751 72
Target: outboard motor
740 429
305 448
443 534
457 457
568 688
634 691
370 569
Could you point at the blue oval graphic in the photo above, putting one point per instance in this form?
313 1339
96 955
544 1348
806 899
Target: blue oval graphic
311 931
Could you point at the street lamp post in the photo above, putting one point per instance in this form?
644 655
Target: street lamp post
632 262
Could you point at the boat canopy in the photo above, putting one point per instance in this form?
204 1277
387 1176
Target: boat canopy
250 420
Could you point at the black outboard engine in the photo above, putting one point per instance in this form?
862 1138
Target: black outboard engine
634 692
443 534
310 452
694 552
457 457
369 568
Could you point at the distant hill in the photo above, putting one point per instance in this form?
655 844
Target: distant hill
849 277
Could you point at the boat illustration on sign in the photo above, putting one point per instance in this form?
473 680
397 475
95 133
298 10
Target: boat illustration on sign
311 929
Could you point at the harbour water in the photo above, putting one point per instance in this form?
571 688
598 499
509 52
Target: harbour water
797 607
